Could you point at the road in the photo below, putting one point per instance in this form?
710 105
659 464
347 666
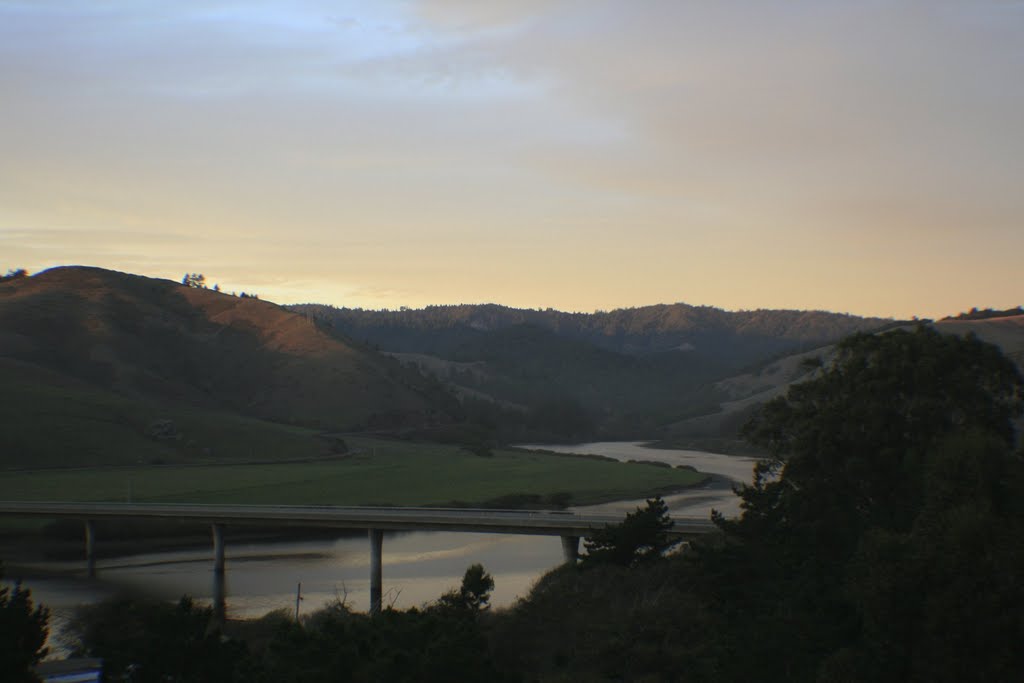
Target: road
535 522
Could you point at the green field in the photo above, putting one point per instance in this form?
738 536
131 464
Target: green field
381 473
51 421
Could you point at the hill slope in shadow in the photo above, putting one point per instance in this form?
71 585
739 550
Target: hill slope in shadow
633 371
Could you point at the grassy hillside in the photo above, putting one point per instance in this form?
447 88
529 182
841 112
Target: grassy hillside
157 340
1006 332
51 420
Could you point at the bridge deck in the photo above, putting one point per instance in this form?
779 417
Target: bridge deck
536 522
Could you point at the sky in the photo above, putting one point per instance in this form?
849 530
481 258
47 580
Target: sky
856 156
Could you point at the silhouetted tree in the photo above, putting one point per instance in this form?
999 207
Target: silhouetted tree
875 542
475 592
642 535
23 632
149 640
197 280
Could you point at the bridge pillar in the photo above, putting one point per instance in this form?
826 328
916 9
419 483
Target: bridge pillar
376 569
219 592
571 548
90 549
218 548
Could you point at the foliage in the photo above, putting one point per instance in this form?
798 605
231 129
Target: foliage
986 313
611 623
197 280
641 536
413 645
942 601
23 633
474 595
14 274
878 535
151 641
854 442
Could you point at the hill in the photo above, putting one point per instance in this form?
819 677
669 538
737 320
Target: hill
1005 331
627 372
743 393
78 336
736 337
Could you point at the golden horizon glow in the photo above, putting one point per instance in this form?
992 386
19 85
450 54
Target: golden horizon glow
845 156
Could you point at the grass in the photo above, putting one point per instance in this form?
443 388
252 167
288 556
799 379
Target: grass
49 422
384 473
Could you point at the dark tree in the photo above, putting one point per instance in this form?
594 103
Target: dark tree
475 592
876 542
197 280
642 535
150 640
851 446
23 632
441 643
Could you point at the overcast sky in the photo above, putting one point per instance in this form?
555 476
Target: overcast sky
855 156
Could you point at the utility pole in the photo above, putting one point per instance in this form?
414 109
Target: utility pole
298 598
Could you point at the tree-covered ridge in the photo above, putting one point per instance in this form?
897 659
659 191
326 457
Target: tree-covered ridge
986 314
645 329
627 373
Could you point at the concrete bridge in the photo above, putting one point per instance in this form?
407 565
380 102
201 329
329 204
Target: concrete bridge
567 525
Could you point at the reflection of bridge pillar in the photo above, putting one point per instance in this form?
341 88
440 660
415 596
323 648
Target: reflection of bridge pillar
376 573
571 548
219 599
90 549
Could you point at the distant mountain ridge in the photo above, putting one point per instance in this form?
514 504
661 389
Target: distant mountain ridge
627 372
637 331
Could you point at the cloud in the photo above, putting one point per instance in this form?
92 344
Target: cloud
452 144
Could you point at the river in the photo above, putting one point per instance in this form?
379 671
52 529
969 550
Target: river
418 566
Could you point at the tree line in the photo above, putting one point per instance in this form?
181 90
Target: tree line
198 281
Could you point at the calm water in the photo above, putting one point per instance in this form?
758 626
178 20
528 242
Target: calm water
696 502
418 567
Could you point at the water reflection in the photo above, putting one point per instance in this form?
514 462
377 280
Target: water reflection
261 577
418 567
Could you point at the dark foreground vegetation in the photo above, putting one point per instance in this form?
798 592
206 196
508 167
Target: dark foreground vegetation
880 541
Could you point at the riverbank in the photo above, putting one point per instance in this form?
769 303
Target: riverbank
723 472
